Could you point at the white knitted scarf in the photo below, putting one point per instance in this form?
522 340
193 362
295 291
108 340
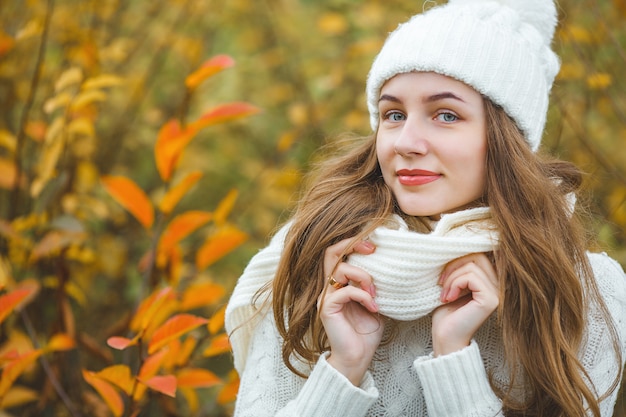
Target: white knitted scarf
405 268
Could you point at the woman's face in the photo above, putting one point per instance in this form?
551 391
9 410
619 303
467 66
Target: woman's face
431 143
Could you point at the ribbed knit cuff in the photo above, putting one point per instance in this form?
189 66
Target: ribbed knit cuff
329 393
456 384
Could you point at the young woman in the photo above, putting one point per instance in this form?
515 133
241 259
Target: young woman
437 268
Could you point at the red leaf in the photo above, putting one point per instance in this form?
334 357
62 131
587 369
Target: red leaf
173 328
210 67
197 378
163 384
8 302
121 343
131 197
224 113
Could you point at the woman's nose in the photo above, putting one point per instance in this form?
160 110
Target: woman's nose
412 140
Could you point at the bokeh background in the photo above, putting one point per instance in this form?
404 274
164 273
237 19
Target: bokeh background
90 259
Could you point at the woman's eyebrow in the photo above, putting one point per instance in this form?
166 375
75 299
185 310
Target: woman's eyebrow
429 99
442 96
387 97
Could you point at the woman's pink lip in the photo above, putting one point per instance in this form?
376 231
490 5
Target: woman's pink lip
416 176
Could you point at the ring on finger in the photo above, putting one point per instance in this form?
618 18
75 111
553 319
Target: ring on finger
333 283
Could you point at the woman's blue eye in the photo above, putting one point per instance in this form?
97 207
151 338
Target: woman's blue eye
396 116
447 117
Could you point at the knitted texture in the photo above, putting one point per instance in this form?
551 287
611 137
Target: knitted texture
404 379
406 265
501 48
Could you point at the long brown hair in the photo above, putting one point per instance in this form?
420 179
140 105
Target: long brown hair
547 285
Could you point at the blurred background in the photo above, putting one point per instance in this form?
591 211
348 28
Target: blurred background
95 94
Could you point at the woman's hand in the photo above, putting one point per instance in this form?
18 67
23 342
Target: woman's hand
470 291
349 313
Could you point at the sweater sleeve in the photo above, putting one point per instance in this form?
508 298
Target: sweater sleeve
269 389
457 385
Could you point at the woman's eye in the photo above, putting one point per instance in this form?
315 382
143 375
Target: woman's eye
395 116
447 117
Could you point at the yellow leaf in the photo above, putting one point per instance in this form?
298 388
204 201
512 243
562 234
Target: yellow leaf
106 391
60 342
599 81
216 322
219 345
225 207
186 349
15 368
332 23
191 396
81 126
87 97
7 140
228 393
60 101
46 167
102 81
225 240
131 197
71 76
8 174
18 395
176 193
119 375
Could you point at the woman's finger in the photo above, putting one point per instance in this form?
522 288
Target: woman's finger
335 254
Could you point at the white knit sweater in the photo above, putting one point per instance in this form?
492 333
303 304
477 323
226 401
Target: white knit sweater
404 379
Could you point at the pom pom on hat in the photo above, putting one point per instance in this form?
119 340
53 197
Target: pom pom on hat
501 48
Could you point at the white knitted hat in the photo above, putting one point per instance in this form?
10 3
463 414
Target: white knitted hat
501 48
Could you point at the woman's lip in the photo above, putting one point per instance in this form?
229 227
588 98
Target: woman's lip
416 176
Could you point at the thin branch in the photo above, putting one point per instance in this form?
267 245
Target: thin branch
15 193
47 369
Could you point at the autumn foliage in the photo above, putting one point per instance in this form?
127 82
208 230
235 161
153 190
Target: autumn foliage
149 148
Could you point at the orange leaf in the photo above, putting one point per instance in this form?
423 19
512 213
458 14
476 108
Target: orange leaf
228 394
8 302
150 307
118 375
197 378
163 384
225 207
219 344
218 245
15 368
171 142
121 343
60 341
224 113
201 295
8 174
131 197
181 226
106 391
152 365
186 350
173 328
209 68
175 194
217 321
